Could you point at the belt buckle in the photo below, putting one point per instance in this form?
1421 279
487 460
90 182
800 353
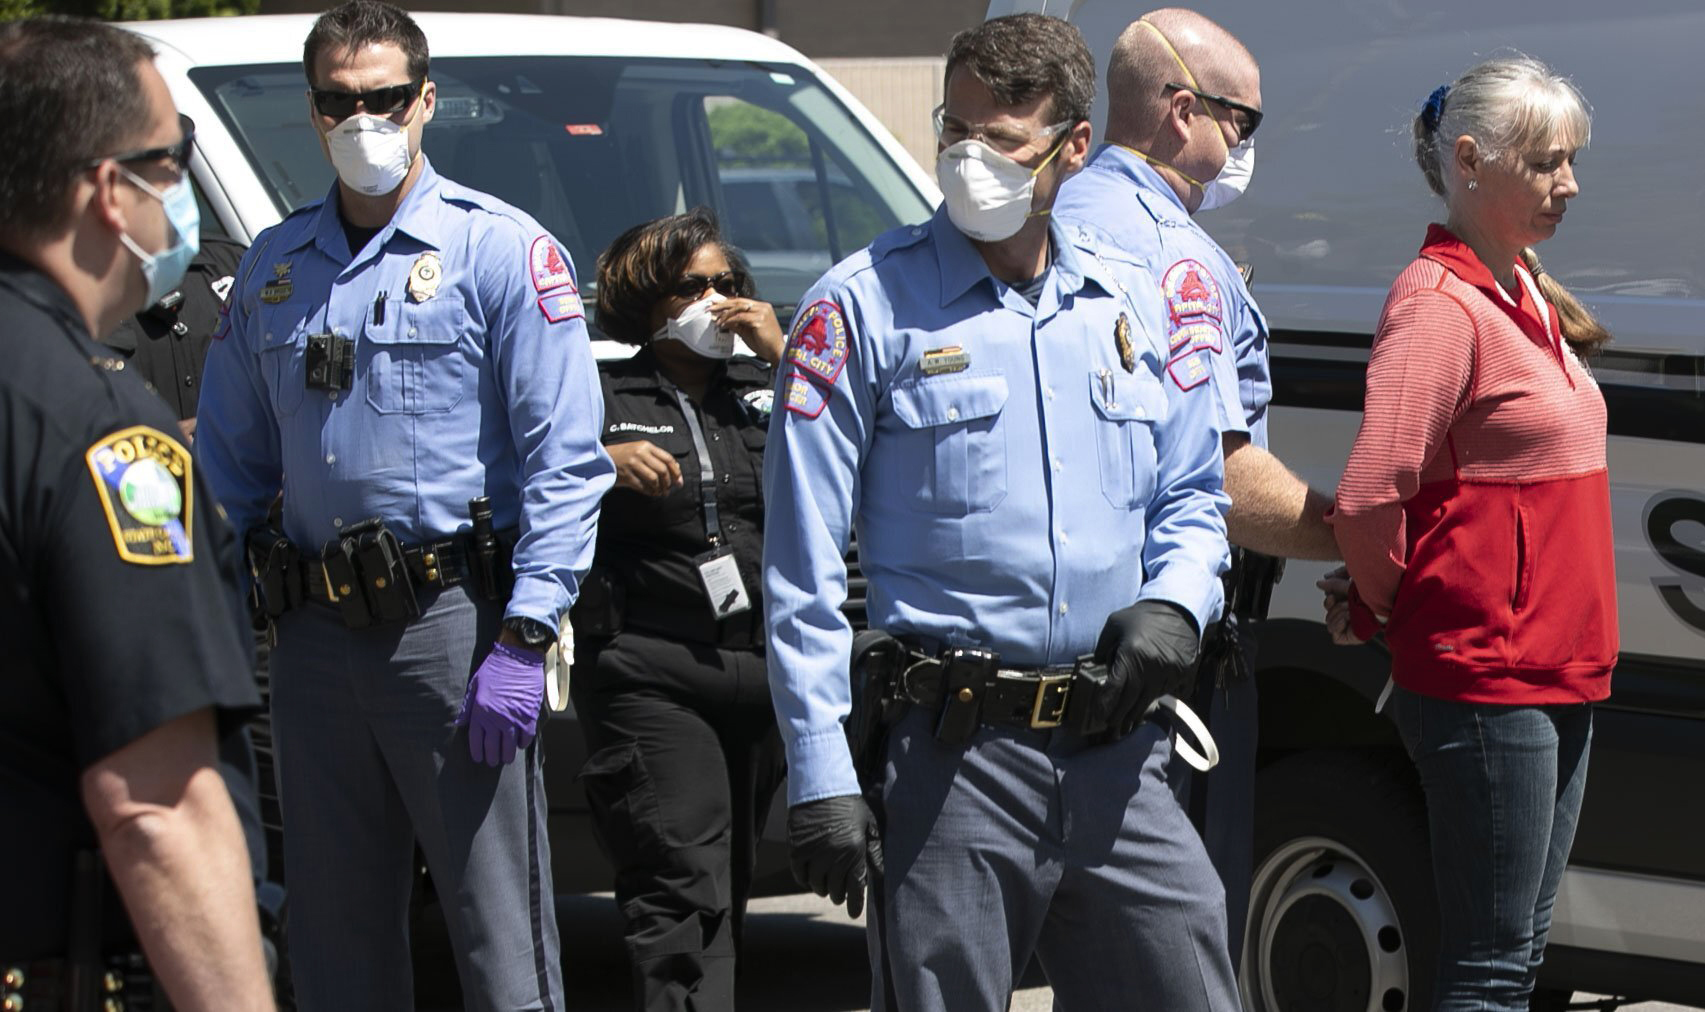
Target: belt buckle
1046 686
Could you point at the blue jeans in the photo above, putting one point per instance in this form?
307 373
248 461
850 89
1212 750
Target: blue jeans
1503 786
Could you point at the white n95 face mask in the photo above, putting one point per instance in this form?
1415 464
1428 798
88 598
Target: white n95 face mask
1233 179
987 194
696 328
370 154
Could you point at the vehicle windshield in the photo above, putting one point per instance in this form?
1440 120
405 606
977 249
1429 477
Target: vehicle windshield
593 145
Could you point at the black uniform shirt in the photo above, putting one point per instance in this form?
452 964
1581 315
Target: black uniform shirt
167 342
120 608
649 543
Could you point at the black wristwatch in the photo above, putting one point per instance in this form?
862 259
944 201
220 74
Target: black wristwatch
534 635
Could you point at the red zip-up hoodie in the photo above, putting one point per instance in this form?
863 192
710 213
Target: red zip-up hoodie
1474 512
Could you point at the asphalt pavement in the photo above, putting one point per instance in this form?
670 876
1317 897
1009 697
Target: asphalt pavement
802 955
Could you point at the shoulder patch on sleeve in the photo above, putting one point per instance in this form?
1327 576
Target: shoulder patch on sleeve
818 345
146 487
803 396
548 266
560 306
1194 304
1189 370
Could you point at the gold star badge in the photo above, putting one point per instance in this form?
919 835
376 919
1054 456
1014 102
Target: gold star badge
1122 341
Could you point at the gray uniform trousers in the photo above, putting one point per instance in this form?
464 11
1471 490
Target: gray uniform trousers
1031 842
369 761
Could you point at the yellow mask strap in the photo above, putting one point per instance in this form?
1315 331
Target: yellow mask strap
1155 161
1191 78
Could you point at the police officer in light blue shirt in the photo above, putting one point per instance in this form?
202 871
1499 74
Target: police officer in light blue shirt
1184 99
408 361
985 396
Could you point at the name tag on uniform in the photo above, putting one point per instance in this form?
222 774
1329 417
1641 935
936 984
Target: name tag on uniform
943 360
720 575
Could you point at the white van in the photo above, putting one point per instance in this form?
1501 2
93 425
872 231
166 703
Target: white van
592 126
1343 906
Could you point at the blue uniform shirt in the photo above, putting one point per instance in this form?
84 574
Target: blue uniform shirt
473 376
1016 473
1122 200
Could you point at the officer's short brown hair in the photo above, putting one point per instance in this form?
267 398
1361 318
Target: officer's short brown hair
1021 57
70 93
357 24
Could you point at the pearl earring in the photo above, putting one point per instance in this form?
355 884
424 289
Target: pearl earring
1472 184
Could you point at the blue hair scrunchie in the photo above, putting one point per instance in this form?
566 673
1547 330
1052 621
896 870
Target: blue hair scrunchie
1435 107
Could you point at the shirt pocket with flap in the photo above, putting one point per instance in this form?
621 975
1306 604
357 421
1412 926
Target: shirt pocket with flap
415 363
283 332
1128 407
955 455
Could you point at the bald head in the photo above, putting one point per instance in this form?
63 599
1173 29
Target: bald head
1146 58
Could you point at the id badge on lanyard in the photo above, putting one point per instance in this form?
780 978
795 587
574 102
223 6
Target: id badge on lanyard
719 572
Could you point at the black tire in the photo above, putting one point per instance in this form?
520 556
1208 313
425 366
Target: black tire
1342 916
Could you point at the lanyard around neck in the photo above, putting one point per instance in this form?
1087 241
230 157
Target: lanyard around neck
707 472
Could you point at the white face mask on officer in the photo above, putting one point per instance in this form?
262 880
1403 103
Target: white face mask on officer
1233 179
987 194
694 327
370 153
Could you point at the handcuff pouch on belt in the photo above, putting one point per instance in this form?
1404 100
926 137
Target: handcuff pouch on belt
329 362
367 576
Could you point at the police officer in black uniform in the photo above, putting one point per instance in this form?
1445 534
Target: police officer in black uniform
126 658
669 680
167 342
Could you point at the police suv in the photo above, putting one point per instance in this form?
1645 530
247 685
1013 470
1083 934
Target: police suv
592 126
1342 916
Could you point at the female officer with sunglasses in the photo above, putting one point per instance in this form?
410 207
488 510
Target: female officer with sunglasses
670 682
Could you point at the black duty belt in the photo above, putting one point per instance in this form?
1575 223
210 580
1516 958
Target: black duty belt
1033 698
46 984
435 565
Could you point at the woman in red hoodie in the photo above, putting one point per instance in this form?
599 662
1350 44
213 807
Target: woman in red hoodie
1474 517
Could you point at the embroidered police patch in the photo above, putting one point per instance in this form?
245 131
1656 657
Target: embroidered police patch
146 487
760 401
803 396
1192 294
560 306
818 345
548 266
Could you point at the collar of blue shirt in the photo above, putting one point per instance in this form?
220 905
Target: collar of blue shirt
418 217
962 266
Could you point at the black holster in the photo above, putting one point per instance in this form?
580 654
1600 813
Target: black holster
369 577
276 575
1248 595
489 563
874 669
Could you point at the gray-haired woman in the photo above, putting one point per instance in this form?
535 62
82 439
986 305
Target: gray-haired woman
1474 517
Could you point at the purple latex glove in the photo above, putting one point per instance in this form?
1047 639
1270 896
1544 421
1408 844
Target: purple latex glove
501 708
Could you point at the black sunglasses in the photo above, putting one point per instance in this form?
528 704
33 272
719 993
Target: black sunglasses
177 154
1252 115
691 286
378 102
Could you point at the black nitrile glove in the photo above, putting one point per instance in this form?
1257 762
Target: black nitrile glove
1151 650
829 841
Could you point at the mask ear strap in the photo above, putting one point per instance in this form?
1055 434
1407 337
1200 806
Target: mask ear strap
1191 79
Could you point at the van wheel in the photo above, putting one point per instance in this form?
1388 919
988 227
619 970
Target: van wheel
1342 915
